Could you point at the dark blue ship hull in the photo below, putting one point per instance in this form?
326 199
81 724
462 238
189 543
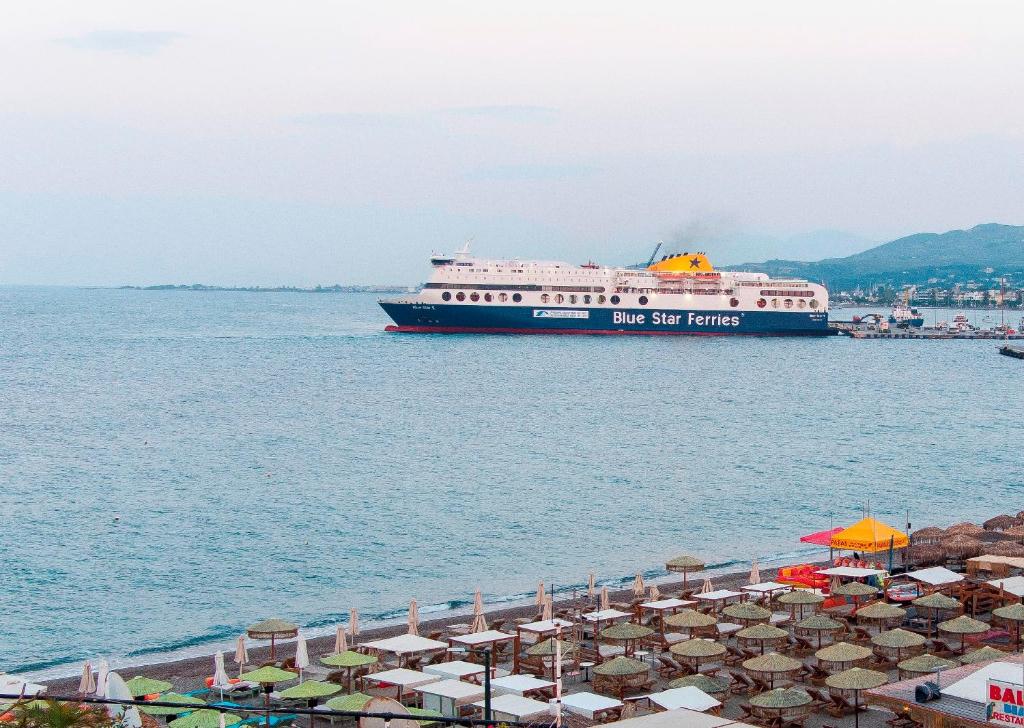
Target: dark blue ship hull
489 319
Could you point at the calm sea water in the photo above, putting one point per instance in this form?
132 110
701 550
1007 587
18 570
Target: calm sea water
175 466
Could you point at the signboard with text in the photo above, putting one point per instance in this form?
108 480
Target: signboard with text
1005 703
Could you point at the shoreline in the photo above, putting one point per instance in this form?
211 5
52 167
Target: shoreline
188 673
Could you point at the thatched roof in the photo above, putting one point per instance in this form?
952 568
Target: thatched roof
927 554
962 545
881 610
762 632
684 563
1005 548
855 589
547 648
984 654
618 666
697 648
936 600
857 678
781 698
276 628
772 662
926 663
843 652
963 625
818 623
1000 523
801 596
1011 613
1015 531
690 619
931 534
626 631
708 683
898 639
964 529
747 611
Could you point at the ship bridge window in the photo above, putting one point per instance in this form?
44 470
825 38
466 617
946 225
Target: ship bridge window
572 298
517 297
544 298
586 299
488 297
503 297
775 303
601 299
801 303
460 296
761 303
788 303
559 298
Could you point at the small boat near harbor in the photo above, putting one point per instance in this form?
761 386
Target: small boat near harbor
1013 351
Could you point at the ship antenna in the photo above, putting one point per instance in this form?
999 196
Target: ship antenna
654 255
464 251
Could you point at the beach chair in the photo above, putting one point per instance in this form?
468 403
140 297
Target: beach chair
741 682
818 699
497 624
435 635
746 713
840 706
941 649
669 669
861 635
803 646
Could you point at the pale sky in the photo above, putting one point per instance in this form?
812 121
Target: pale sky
321 142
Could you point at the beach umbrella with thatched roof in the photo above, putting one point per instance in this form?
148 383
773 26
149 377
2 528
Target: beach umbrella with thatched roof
618 670
966 528
773 666
781 702
690 619
881 613
984 654
348 661
818 624
854 680
1005 548
1012 613
140 686
762 634
936 602
1000 522
930 534
273 630
923 665
697 649
710 684
204 718
684 565
842 655
551 647
800 598
898 642
962 545
928 554
855 589
629 633
1015 532
963 626
181 704
747 612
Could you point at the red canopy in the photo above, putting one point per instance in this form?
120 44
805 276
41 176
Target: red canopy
821 538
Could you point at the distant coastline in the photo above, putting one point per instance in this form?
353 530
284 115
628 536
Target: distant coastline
336 288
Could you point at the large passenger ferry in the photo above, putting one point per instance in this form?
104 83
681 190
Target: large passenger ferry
681 293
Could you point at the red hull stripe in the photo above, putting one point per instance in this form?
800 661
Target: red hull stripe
592 332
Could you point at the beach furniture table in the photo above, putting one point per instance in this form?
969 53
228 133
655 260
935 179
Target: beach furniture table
446 696
455 670
535 632
766 587
605 615
660 608
405 645
515 708
687 697
522 685
488 639
720 597
401 678
590 705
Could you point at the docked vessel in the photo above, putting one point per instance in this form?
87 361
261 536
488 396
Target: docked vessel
904 315
679 294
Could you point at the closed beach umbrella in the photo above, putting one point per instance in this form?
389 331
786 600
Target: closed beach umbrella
348 661
340 640
684 565
182 703
923 665
353 623
881 613
772 666
241 653
755 573
762 634
547 610
117 689
1013 613
854 680
102 671
690 619
818 624
655 593
140 686
87 685
746 612
220 675
590 585
985 654
710 684
273 630
898 641
414 618
707 587
204 718
638 585
479 620
696 650
301 654
800 598
605 603
842 655
542 595
963 626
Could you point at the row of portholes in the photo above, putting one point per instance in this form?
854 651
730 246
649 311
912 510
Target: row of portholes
787 303
488 297
518 297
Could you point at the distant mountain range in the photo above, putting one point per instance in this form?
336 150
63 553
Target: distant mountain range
954 256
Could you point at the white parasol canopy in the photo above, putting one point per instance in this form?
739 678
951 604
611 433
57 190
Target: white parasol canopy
301 654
